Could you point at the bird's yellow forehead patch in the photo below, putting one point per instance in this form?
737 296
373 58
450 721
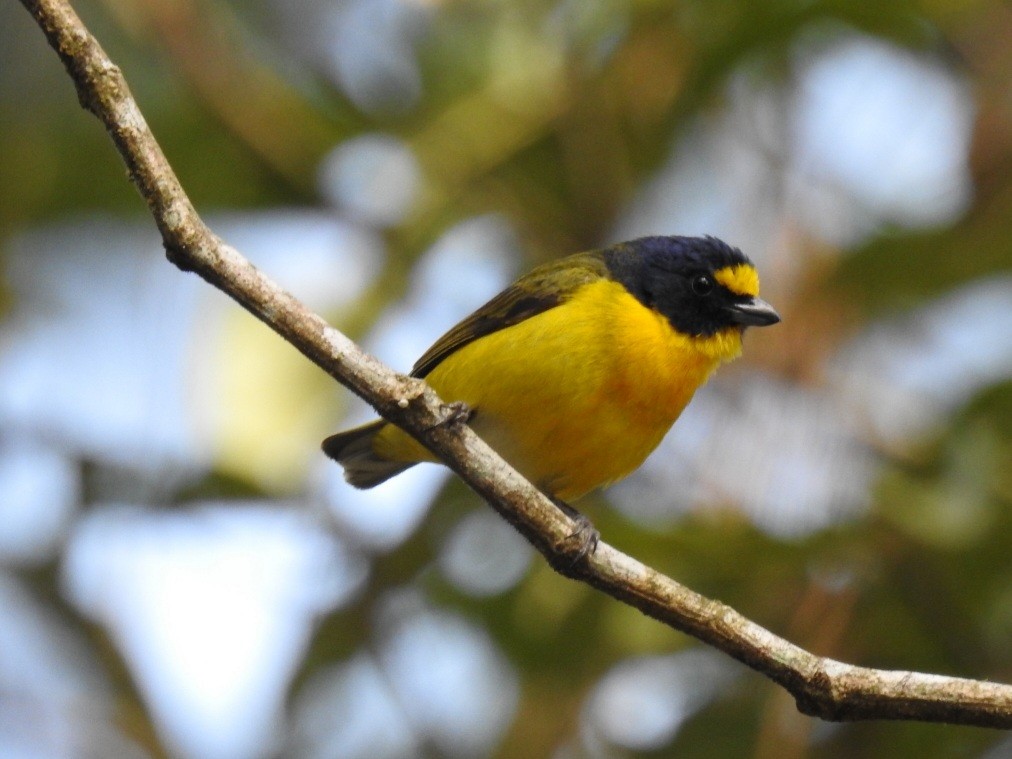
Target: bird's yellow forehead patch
741 279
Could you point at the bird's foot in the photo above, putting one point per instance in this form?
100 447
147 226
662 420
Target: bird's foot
454 413
584 535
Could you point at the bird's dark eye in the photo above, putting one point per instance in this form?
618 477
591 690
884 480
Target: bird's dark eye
702 284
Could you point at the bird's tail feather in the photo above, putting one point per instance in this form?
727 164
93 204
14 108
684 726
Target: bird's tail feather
353 450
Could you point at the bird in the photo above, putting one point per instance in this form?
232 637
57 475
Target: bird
576 371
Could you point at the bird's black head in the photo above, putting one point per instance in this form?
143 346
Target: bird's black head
701 284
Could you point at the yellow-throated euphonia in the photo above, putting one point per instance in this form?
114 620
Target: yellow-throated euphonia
575 372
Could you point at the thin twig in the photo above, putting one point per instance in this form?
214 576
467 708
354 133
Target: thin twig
822 687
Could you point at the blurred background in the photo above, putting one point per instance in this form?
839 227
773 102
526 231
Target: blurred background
183 574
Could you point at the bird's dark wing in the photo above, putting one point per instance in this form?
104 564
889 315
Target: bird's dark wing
543 288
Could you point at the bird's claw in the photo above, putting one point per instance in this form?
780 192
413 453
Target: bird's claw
454 413
584 535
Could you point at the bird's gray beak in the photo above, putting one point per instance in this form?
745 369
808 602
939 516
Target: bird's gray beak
754 312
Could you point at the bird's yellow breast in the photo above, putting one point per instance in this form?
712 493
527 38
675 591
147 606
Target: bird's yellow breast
578 395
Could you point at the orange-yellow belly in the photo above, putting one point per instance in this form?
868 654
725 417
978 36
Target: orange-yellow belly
577 396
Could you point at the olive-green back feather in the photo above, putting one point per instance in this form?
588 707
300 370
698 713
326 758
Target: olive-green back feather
545 287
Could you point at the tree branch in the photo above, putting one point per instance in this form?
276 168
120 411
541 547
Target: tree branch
822 687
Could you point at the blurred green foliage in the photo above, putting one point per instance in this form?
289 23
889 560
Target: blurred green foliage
560 137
